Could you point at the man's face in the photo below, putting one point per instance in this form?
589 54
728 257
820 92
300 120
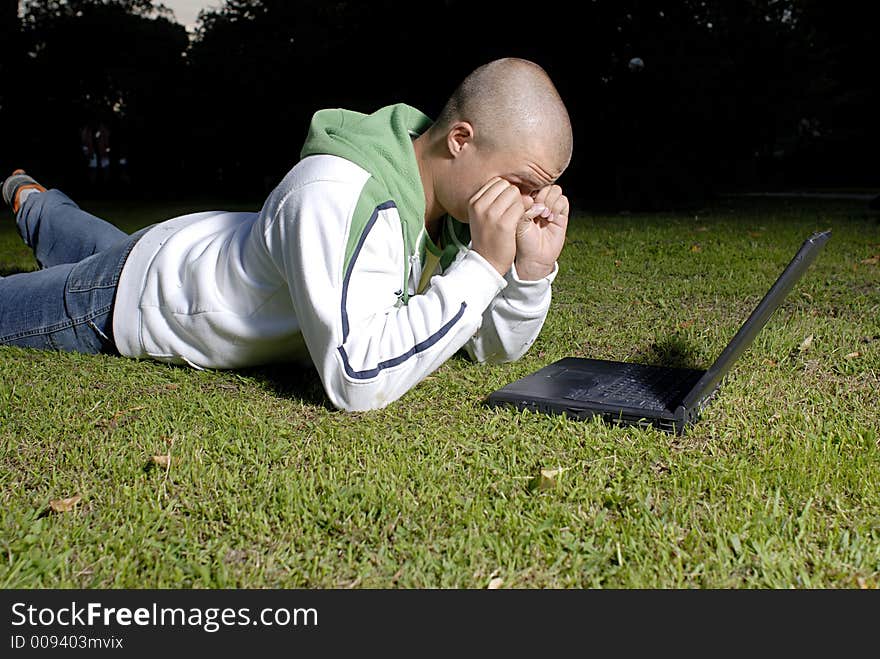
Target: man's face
528 168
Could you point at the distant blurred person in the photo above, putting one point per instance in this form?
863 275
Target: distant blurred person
95 144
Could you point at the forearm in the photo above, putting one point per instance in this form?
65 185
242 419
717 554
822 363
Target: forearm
374 357
514 319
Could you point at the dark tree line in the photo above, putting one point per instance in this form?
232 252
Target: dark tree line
745 93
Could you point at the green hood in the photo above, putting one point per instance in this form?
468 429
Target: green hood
380 143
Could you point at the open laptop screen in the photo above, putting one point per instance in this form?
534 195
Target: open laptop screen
756 321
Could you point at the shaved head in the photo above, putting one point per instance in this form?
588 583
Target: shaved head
512 103
504 121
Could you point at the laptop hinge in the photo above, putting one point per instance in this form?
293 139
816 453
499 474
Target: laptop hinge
683 418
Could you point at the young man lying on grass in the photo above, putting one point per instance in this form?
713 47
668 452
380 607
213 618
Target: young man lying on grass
392 244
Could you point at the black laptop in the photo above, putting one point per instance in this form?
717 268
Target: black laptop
637 394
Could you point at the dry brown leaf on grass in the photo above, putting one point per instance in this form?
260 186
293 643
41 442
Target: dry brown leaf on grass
807 343
64 505
545 479
871 260
853 355
163 461
696 248
495 584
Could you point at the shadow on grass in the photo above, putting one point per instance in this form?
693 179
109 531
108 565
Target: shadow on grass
673 351
289 381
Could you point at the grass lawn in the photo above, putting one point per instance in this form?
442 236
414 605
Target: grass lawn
778 486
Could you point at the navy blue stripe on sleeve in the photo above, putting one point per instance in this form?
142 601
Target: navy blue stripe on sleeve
417 348
381 207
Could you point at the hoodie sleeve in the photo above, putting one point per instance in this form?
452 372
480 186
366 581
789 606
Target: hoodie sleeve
513 320
368 348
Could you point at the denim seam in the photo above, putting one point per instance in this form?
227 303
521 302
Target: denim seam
117 273
91 315
93 287
51 329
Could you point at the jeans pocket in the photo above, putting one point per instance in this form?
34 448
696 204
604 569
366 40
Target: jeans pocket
100 270
90 293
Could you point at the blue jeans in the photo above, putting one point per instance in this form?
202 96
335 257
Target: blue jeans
68 304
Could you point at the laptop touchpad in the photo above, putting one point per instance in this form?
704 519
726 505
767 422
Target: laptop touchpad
582 391
571 384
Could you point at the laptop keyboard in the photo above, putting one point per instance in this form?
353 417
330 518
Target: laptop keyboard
648 388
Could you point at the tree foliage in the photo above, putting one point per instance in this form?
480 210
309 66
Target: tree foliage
732 92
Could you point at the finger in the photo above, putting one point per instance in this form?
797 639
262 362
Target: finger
513 216
555 205
492 197
494 182
535 211
548 193
560 221
554 194
541 195
559 208
509 199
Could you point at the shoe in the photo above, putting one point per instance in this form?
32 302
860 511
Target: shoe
17 183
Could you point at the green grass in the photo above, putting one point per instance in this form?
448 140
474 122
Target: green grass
777 486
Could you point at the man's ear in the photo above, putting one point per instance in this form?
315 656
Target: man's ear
459 137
